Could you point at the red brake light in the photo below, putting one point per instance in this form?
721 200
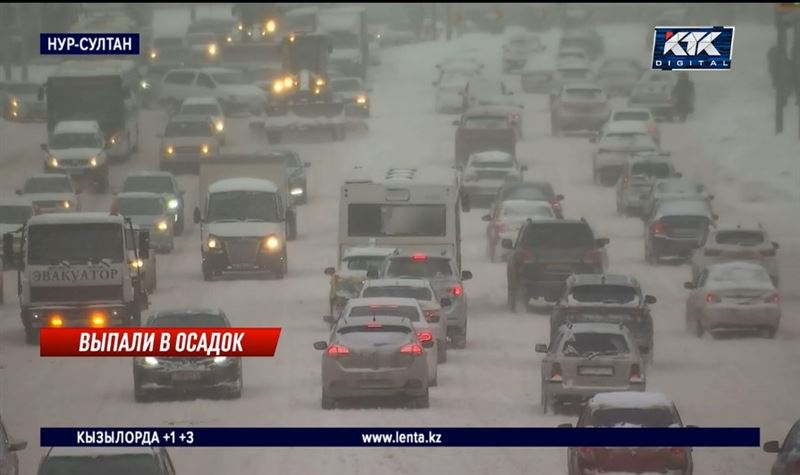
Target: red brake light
593 256
457 291
676 451
412 348
555 204
713 298
768 253
625 179
500 226
555 373
652 128
424 335
336 350
420 256
774 298
586 453
374 325
712 252
636 374
657 229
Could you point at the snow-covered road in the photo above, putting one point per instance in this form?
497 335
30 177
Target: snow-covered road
495 381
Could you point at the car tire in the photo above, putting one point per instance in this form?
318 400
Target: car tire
237 393
545 401
208 273
327 403
179 225
422 402
441 353
280 272
31 336
771 332
460 341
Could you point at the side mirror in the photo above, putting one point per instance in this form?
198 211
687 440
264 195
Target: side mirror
507 244
466 275
772 447
456 123
565 426
428 344
17 445
541 348
601 242
329 319
372 274
524 168
320 345
330 271
486 217
559 197
689 285
197 216
775 245
43 146
306 164
144 245
678 175
650 299
8 247
445 302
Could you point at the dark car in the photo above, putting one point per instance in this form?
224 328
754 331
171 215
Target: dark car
533 191
159 182
106 460
676 228
354 93
382 358
787 461
629 409
606 298
9 462
219 374
586 38
296 168
663 189
20 101
546 253
484 128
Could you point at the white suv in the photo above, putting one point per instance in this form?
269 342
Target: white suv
228 86
78 148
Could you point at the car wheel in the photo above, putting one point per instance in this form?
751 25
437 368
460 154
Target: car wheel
545 401
422 402
441 355
771 332
460 341
31 336
280 272
237 393
326 402
208 273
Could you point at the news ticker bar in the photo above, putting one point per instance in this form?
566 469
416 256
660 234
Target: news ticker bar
89 43
399 436
159 342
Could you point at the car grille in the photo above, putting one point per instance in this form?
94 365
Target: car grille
493 175
76 294
242 251
187 150
49 204
77 162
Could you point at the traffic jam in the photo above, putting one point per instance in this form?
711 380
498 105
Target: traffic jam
490 219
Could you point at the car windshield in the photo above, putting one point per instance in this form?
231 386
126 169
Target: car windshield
584 93
740 238
407 311
404 291
587 345
485 122
529 193
527 209
426 268
189 320
639 417
342 85
259 206
632 115
558 235
121 464
48 185
15 214
188 128
139 206
739 275
149 184
52 244
652 169
376 335
604 293
75 140
229 79
363 262
200 109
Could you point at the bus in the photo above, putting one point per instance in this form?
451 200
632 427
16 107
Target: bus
106 90
405 208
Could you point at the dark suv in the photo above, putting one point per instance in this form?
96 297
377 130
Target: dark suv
546 253
119 460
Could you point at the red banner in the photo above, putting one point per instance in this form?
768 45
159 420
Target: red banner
182 342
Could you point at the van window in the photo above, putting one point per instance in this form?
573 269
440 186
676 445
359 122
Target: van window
179 78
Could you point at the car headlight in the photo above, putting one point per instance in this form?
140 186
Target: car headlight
137 264
320 82
162 225
271 26
212 49
93 161
150 361
240 27
229 39
220 126
296 191
288 82
271 243
277 87
213 242
14 103
204 149
153 54
173 203
66 204
170 150
361 99
53 162
220 359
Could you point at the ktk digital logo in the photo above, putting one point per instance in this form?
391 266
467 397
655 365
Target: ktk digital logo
693 48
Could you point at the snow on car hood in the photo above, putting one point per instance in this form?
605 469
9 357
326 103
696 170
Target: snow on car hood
74 153
242 229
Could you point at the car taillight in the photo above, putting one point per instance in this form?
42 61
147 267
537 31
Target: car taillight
424 335
555 373
419 256
555 204
712 252
636 374
586 454
652 128
412 349
713 298
774 298
457 291
657 229
677 455
593 256
768 253
500 226
625 180
515 116
336 350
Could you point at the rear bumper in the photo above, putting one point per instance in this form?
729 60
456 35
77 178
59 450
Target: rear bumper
663 246
580 394
411 381
117 315
581 121
741 317
219 262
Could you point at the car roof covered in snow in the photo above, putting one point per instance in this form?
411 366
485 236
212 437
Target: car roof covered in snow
683 206
630 400
99 451
728 226
525 204
734 265
139 195
423 175
491 156
242 184
76 126
403 282
74 218
603 279
386 301
484 111
140 173
188 311
367 252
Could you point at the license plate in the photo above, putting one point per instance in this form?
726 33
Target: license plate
186 376
595 371
559 267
